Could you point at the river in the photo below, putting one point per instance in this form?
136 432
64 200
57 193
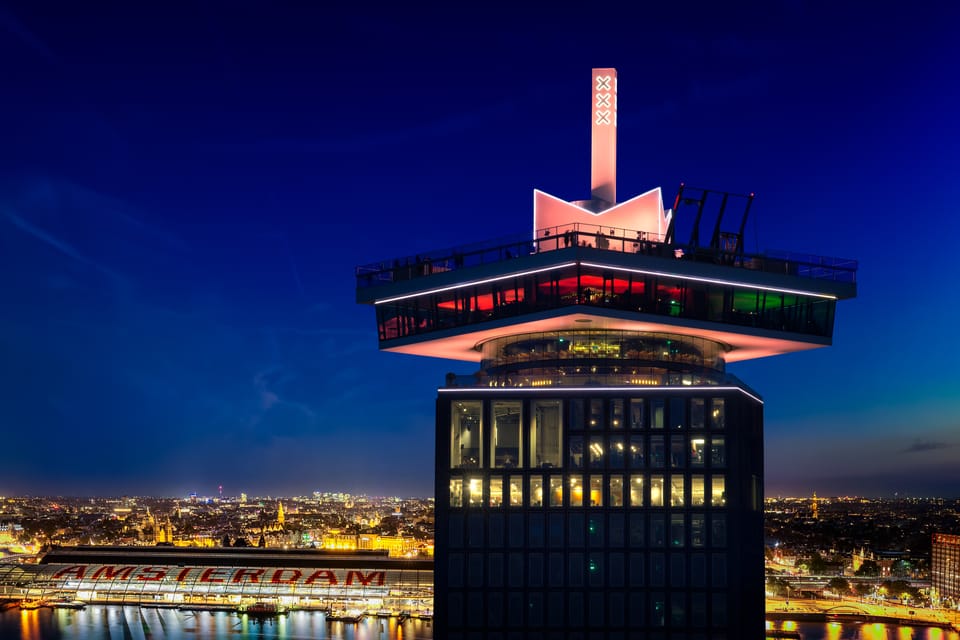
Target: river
134 623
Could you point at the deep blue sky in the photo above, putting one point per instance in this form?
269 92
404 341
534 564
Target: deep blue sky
186 189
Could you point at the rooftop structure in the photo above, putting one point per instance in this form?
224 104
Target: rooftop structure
600 474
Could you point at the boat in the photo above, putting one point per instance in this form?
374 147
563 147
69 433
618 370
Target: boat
343 615
782 633
263 609
66 603
32 603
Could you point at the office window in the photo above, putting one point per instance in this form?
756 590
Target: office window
475 491
576 414
636 491
465 434
658 610
697 495
596 452
556 491
717 413
456 492
697 451
698 530
576 491
616 414
516 491
505 438
657 413
596 414
718 496
718 533
678 413
718 452
545 435
677 533
536 491
656 491
658 535
676 491
636 454
596 491
576 452
697 413
496 491
657 453
616 491
677 450
617 451
636 413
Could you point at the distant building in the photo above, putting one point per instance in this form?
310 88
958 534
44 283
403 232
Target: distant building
601 475
945 568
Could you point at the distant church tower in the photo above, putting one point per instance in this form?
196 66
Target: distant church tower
816 506
280 516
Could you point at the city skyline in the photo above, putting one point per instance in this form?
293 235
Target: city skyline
187 192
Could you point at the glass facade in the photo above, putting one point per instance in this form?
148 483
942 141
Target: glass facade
627 518
595 286
945 568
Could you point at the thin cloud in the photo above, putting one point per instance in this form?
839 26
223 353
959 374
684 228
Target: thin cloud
926 445
60 245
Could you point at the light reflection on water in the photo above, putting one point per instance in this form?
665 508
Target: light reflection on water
864 631
134 623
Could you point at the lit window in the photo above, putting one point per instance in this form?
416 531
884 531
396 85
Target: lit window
476 492
576 491
718 496
496 491
636 491
676 491
596 491
697 495
516 491
536 491
556 491
656 491
456 492
616 491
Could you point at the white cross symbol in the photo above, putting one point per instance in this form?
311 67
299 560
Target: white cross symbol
603 117
603 99
603 83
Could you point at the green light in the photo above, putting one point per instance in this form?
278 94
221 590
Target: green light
593 566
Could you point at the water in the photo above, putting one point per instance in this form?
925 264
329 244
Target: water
135 623
865 631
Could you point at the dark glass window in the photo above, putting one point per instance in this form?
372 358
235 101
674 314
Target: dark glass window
717 414
616 414
678 413
636 413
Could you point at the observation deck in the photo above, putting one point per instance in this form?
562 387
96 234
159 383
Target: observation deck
580 276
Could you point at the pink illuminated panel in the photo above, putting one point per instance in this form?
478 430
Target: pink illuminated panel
643 213
603 166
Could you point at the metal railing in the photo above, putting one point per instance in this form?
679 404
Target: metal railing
603 238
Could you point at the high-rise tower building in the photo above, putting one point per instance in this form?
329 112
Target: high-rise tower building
601 475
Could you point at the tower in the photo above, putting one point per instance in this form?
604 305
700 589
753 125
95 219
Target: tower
601 475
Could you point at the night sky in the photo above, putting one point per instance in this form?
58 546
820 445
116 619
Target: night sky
186 190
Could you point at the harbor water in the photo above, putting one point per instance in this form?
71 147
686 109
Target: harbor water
104 622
